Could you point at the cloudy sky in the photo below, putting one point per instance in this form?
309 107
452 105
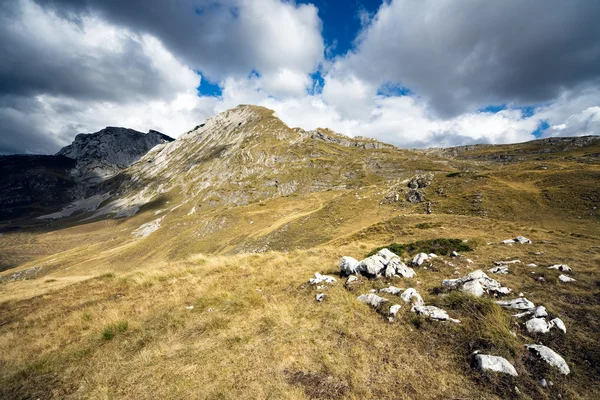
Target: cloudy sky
413 73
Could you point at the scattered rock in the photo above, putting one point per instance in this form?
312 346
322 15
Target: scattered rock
372 266
419 259
494 363
518 239
537 325
393 311
499 270
189 307
320 297
372 299
500 263
433 313
348 265
454 254
538 312
532 265
318 278
564 278
477 283
410 295
391 290
520 303
550 356
351 279
561 268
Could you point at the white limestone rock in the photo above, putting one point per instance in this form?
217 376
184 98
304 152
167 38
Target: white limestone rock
348 265
559 324
419 259
537 325
537 312
386 255
501 263
520 303
476 283
148 228
410 295
351 279
393 311
320 297
518 239
565 279
318 278
372 299
391 290
485 362
499 270
561 268
549 356
401 269
433 313
372 266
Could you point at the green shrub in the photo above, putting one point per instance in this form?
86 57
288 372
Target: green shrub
453 174
440 246
111 330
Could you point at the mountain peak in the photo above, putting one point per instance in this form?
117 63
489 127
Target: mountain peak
103 154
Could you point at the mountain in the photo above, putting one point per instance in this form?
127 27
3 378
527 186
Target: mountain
186 273
32 184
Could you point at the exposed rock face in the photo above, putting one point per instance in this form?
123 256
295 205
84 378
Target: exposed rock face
550 356
494 363
105 153
383 263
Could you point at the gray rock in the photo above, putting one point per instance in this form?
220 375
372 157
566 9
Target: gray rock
351 279
518 239
419 259
537 325
501 263
520 303
386 254
394 310
318 278
538 312
433 313
348 265
549 356
499 270
320 297
494 363
477 283
401 269
372 299
559 324
410 295
391 290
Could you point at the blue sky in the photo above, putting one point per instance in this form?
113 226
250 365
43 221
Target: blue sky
424 73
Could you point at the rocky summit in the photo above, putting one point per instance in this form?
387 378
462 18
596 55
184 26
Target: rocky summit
250 259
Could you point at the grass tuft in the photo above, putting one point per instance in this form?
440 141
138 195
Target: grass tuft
111 330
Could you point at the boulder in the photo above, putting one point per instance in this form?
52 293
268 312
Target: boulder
394 310
485 362
318 278
561 268
537 325
372 299
476 283
348 265
419 259
433 313
499 270
520 303
386 254
372 266
410 295
564 278
549 356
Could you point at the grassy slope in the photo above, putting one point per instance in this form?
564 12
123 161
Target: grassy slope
256 331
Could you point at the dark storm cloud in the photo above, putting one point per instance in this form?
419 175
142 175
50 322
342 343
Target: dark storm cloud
462 55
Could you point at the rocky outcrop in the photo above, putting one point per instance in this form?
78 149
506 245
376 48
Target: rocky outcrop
433 313
103 154
383 263
520 303
476 283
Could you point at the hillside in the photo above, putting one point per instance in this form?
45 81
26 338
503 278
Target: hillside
185 274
